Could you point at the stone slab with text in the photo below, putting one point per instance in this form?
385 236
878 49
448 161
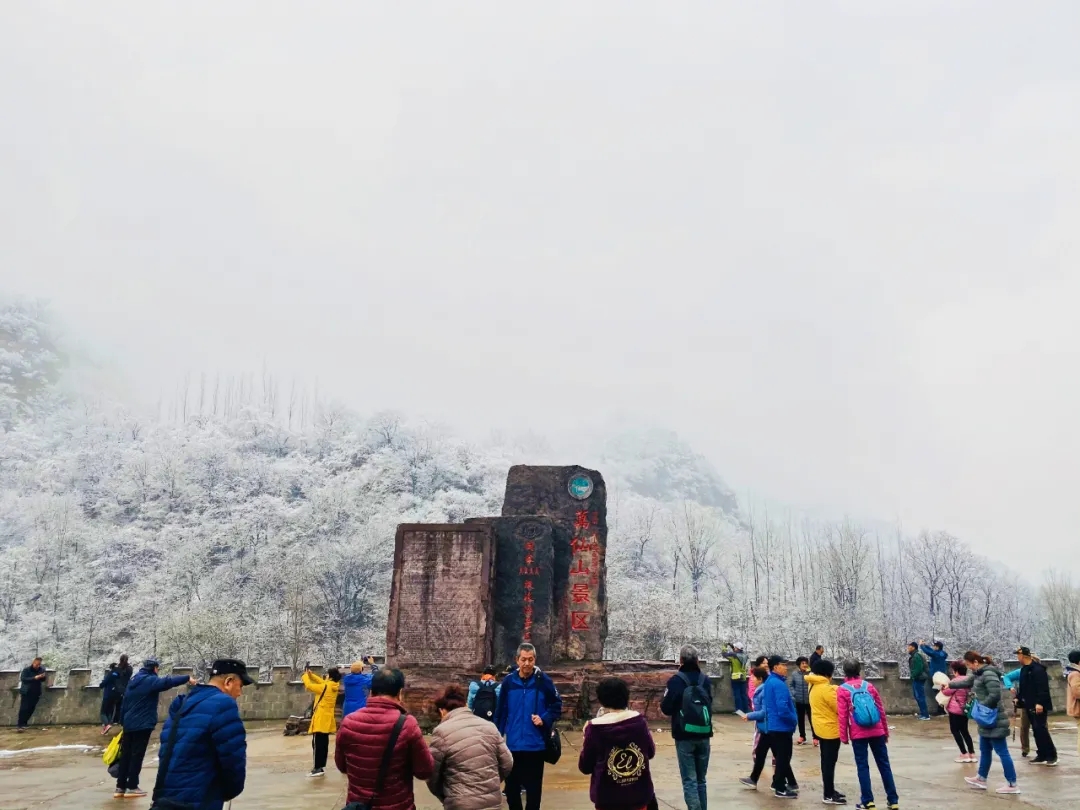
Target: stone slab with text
575 498
440 598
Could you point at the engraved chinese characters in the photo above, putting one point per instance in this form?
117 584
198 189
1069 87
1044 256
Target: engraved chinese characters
523 585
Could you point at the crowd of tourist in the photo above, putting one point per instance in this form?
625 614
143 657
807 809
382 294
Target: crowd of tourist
494 739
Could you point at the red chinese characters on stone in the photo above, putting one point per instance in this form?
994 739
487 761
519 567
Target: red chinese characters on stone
580 594
526 633
579 620
579 569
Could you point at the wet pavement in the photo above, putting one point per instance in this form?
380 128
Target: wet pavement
922 756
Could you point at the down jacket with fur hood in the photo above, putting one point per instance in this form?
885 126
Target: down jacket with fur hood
615 750
471 761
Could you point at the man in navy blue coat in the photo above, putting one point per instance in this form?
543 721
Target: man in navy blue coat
140 712
205 766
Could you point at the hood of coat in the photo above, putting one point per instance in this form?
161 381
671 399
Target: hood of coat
1071 668
618 728
818 680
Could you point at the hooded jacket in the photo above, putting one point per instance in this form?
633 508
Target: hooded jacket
986 684
823 707
615 750
323 717
140 708
673 697
1034 687
358 753
356 686
849 729
1072 689
519 700
208 765
939 659
774 699
470 762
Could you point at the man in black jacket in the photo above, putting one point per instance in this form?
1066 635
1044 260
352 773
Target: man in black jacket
30 681
1034 691
691 748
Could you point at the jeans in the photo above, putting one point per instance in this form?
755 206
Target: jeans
958 725
1044 743
918 689
528 773
782 745
878 747
738 691
693 756
987 748
132 750
830 752
320 746
27 704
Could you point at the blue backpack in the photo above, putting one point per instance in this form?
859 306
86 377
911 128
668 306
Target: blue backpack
864 710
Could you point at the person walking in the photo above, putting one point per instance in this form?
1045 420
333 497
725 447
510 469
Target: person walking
688 702
383 733
823 705
800 693
1072 691
761 662
863 724
957 711
1034 692
938 662
737 660
483 697
31 680
529 706
140 716
323 715
615 751
777 711
758 676
918 671
202 759
470 758
984 680
356 686
817 655
110 700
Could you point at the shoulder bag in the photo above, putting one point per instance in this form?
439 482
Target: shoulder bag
552 740
384 766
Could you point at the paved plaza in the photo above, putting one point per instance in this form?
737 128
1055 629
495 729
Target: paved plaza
922 755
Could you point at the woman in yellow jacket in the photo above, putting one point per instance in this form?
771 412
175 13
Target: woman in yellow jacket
323 717
826 725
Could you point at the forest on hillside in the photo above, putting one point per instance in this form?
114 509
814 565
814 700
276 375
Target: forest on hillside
245 517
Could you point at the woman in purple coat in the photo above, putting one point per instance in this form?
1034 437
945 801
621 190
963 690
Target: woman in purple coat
616 750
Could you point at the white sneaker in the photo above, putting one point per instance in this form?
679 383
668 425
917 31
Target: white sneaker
316 772
1008 789
975 783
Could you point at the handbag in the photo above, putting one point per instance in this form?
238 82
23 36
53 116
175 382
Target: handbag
384 766
160 802
983 715
112 751
552 740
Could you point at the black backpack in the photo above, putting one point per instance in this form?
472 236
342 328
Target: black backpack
695 715
485 701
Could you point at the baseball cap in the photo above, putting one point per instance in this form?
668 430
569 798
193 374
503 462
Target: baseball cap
1025 651
776 659
231 666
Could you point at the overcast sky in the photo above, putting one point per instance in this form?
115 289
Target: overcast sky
836 245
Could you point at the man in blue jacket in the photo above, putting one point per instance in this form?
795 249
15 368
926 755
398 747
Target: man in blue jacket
780 720
203 754
939 662
529 705
140 714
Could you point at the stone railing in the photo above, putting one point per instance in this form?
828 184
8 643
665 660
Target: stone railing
79 703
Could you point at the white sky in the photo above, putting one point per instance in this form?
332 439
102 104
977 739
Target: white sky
833 244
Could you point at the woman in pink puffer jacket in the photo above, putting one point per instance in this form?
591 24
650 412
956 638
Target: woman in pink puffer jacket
958 719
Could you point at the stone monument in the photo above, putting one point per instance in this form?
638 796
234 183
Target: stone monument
440 597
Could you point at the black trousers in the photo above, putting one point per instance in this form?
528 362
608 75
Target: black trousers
27 704
803 712
830 753
528 773
781 745
132 750
1044 743
958 725
320 744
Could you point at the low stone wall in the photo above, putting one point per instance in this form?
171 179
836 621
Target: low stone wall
79 703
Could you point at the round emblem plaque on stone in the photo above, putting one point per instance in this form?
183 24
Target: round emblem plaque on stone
580 486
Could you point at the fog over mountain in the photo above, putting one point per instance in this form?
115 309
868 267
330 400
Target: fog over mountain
808 268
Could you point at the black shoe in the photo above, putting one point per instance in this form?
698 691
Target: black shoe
1038 761
1051 763
748 783
834 800
785 794
1025 754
